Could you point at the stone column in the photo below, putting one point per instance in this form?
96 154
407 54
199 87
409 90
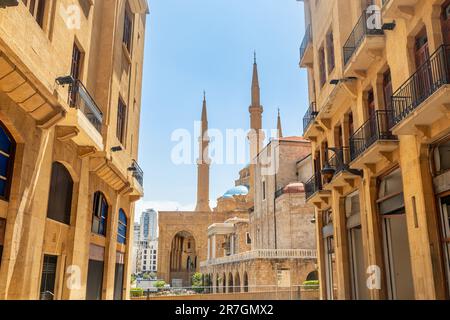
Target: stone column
111 251
421 215
75 280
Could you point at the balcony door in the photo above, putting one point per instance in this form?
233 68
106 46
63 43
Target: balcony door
424 83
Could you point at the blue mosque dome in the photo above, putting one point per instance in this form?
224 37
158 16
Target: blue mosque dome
236 191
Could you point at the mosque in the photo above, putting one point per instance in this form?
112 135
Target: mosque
190 240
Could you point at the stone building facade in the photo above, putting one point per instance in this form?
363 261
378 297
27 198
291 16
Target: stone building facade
69 117
380 129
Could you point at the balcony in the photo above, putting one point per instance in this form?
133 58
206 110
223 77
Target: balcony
364 45
338 167
83 122
373 141
262 254
398 8
315 193
309 117
306 49
422 104
138 176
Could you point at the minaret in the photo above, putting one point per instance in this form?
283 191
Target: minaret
279 128
256 135
203 164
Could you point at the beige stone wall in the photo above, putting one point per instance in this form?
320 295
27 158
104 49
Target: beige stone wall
35 110
410 152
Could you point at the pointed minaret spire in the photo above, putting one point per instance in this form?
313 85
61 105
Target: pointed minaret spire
255 85
203 164
279 128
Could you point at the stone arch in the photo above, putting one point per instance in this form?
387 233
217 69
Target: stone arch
230 283
245 282
312 276
237 282
183 254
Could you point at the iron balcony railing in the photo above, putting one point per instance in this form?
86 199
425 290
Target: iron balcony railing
364 27
80 98
313 185
310 115
138 173
375 129
340 159
428 78
307 39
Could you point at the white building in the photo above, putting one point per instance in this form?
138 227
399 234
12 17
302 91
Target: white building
146 243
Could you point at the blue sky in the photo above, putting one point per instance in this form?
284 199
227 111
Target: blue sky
196 45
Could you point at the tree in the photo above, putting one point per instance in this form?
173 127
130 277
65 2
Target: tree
160 284
197 282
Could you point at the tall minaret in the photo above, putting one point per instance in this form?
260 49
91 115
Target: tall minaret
256 135
279 128
203 164
256 110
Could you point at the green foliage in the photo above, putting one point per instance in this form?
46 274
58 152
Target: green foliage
160 284
133 278
197 282
311 285
136 292
146 276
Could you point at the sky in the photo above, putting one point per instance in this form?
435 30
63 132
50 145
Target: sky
196 45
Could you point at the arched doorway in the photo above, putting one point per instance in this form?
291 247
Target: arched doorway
224 283
237 282
183 257
245 282
230 283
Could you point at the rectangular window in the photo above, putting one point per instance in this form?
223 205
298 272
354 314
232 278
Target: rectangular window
37 10
128 30
48 278
264 190
75 71
118 281
322 70
121 121
330 52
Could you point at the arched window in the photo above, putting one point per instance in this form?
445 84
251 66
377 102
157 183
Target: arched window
7 149
99 214
60 194
122 228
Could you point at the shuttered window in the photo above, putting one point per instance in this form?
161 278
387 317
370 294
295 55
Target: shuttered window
37 10
128 30
121 121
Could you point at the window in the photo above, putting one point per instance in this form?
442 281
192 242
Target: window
100 214
60 194
75 72
122 229
264 190
48 278
7 150
121 121
2 237
128 30
330 52
37 10
248 240
322 71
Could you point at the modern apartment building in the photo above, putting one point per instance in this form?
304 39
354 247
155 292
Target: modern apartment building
70 100
379 123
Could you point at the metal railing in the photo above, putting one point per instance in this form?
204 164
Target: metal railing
138 173
263 254
313 185
80 98
340 159
307 39
310 116
375 129
428 78
359 33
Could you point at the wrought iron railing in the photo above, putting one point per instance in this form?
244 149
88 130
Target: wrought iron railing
310 115
428 78
375 129
364 27
340 159
138 173
307 39
80 98
313 185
